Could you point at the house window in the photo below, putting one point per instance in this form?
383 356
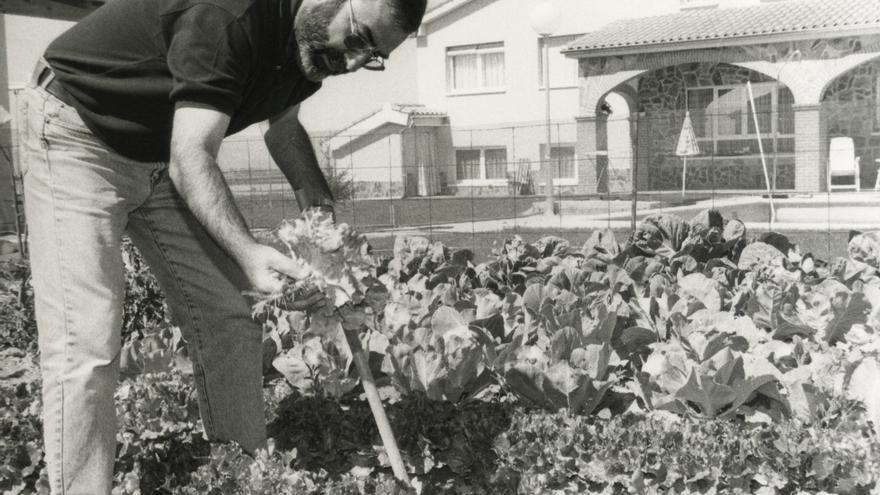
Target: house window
475 68
563 158
563 70
467 164
496 163
724 124
481 164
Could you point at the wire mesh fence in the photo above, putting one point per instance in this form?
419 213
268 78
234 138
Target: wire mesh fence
473 187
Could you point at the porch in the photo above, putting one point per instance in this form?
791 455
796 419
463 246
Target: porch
766 89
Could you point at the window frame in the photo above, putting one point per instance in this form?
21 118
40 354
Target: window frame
478 49
542 85
482 180
747 120
560 181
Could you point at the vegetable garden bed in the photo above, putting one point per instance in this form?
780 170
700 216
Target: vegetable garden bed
690 359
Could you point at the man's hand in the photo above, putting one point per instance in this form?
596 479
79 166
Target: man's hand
267 268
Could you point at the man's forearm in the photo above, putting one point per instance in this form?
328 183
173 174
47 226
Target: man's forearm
201 184
292 150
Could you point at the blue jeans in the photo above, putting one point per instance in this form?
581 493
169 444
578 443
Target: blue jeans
80 198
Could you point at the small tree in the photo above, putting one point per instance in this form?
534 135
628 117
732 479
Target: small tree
340 181
341 184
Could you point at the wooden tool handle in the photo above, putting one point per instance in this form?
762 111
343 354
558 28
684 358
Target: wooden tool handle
385 431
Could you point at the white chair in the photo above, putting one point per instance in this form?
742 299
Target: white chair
842 162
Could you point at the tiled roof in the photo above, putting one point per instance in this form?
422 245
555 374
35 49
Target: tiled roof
706 25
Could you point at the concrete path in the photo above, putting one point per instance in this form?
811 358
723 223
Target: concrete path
837 212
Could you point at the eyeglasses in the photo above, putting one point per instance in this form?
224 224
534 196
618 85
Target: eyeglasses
363 42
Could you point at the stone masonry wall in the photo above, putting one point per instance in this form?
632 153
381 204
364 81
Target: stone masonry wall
661 108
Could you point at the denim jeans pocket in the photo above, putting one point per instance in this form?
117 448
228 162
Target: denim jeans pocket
31 131
64 128
64 116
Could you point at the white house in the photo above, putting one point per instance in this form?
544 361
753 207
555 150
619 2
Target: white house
481 64
472 78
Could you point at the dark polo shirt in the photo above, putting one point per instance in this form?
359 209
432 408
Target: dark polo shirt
129 64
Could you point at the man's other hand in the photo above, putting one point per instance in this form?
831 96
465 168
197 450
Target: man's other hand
307 199
267 268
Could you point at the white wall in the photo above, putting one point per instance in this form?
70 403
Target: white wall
487 21
620 150
379 161
26 40
522 103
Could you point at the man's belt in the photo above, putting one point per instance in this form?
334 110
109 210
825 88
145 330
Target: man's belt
44 77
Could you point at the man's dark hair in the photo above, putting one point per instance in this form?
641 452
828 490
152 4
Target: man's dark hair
407 14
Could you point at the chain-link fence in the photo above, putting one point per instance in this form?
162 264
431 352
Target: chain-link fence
472 187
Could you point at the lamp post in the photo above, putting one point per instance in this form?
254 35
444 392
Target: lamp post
544 20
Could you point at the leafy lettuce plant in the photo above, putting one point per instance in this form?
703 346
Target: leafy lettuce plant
334 258
304 340
707 370
571 371
319 366
445 360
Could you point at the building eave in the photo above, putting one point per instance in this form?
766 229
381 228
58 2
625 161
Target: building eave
442 10
389 116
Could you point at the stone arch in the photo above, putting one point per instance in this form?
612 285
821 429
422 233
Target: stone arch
850 105
608 157
595 88
629 94
657 120
834 70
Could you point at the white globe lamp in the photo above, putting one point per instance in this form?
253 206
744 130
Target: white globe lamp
545 18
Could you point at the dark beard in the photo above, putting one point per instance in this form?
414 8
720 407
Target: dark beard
310 31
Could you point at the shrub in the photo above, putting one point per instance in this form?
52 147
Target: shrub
21 442
665 453
144 305
160 440
341 184
18 328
